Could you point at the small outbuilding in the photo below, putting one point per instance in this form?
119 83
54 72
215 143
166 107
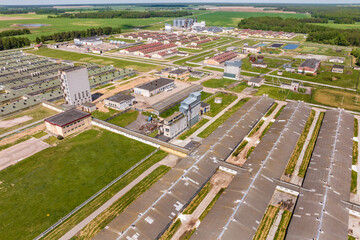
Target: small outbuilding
119 101
256 81
68 122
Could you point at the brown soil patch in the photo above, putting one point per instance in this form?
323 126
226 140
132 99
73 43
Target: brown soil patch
27 132
13 18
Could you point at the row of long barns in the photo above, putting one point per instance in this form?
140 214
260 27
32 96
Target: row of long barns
27 80
321 212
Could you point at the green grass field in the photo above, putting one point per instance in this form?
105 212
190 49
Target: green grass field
75 24
104 115
125 119
216 108
38 191
281 94
105 196
81 57
341 26
231 19
218 83
170 111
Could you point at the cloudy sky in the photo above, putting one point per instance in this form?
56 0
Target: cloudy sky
50 2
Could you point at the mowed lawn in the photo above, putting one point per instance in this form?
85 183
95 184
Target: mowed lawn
38 191
81 57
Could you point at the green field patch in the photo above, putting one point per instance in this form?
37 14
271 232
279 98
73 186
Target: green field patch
124 119
218 83
62 177
187 133
216 108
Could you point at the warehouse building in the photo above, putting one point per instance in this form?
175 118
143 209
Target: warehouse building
179 73
68 122
309 66
232 69
190 107
90 41
220 58
337 69
75 86
154 87
119 101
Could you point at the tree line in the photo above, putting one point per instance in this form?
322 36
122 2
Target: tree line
319 34
13 42
356 53
70 35
124 14
8 33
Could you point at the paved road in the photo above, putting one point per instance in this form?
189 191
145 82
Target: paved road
14 154
117 196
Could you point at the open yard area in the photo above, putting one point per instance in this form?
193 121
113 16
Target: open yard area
87 58
337 98
124 119
215 108
218 83
282 94
34 114
62 177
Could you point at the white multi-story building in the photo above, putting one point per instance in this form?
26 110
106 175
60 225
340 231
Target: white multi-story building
232 69
75 86
174 125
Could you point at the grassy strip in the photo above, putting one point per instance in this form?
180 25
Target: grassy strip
20 140
353 181
250 151
256 128
309 149
170 111
207 131
188 59
100 200
355 152
214 69
114 210
278 113
169 233
356 127
240 148
265 130
285 219
272 109
205 95
187 234
299 146
154 133
39 134
186 134
351 237
266 223
218 83
198 199
211 204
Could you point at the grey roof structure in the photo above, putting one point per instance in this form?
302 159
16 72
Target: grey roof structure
234 63
120 97
256 80
241 207
204 104
186 178
67 117
310 63
179 71
338 66
320 212
175 98
155 84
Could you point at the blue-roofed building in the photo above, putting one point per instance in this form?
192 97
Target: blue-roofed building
232 69
190 107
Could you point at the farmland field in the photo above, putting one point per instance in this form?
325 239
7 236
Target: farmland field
72 24
341 26
62 177
231 19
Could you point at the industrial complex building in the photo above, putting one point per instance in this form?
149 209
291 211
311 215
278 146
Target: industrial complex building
119 101
154 87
